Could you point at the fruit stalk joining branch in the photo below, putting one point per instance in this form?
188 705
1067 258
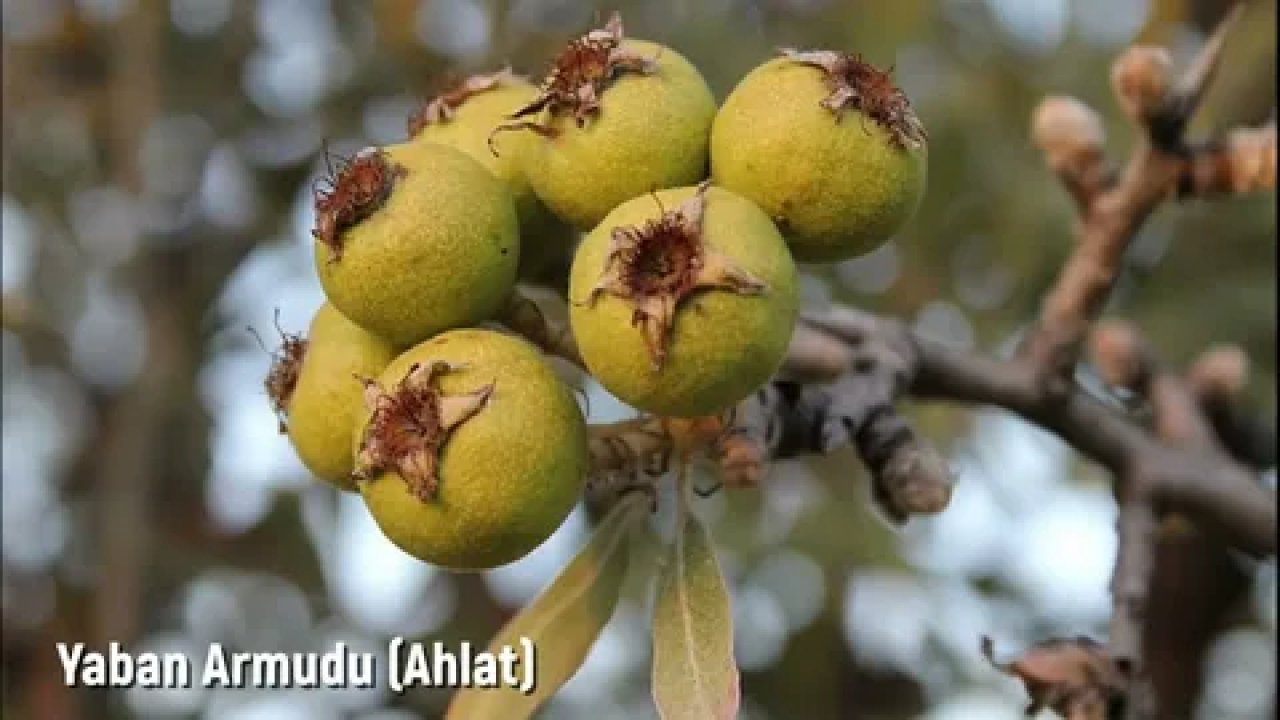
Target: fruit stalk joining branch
1197 455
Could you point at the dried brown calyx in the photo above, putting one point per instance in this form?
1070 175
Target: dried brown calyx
282 378
859 85
442 107
351 192
579 76
1074 677
410 424
655 266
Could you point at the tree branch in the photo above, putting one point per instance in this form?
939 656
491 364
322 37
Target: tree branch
876 361
1242 162
785 419
1137 528
1125 359
1218 378
1192 453
1113 210
1210 487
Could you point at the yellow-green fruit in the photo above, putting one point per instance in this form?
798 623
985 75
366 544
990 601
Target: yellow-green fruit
326 398
644 125
510 467
415 239
464 118
684 312
838 178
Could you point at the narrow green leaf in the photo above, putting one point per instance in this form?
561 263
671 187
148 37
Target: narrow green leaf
563 621
694 674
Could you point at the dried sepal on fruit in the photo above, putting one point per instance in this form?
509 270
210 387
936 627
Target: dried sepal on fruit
410 425
1075 677
286 365
510 471
462 118
657 265
325 402
442 107
351 192
579 75
590 146
712 348
836 107
859 85
442 252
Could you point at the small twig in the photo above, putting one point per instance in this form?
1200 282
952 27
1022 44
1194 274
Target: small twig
908 475
1243 162
1185 97
785 419
1124 357
1222 495
1217 378
537 323
1200 407
1110 218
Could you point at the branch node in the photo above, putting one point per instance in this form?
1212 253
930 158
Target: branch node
1120 355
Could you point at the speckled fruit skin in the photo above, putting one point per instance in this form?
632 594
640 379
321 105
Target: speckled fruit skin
327 398
723 345
508 476
543 237
837 190
651 133
440 253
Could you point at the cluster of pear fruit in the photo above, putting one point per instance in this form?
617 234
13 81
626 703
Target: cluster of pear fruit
684 220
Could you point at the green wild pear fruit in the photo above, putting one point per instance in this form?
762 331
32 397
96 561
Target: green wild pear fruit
315 395
471 451
683 302
828 146
414 239
615 118
463 117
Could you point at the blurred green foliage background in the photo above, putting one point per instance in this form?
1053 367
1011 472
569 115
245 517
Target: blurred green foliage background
157 164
